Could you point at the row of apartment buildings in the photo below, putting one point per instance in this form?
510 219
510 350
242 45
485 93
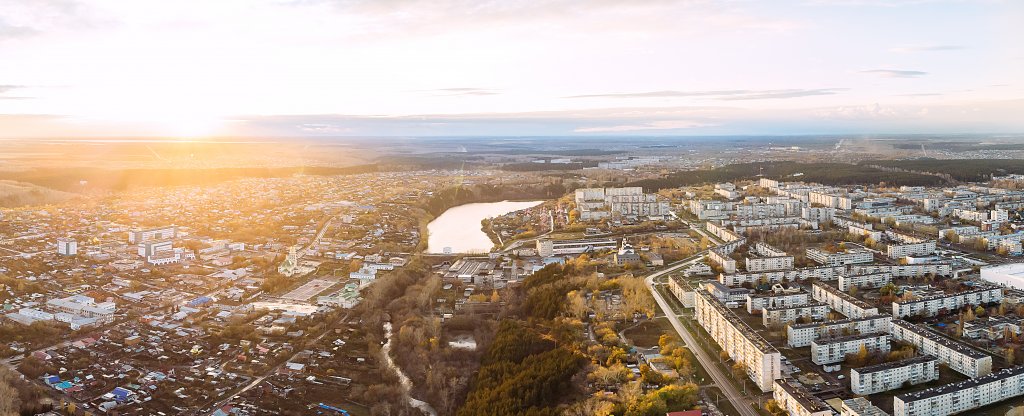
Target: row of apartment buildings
736 338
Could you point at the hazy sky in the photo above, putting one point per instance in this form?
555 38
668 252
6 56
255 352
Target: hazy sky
514 67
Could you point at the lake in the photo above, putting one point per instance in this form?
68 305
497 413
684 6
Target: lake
459 227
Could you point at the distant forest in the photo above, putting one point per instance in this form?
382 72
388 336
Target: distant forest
70 178
536 167
824 173
965 170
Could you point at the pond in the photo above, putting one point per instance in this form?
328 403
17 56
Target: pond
458 229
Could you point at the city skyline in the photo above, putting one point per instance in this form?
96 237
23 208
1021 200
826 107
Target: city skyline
326 68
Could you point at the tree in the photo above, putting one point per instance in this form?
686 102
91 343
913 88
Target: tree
774 408
739 370
724 356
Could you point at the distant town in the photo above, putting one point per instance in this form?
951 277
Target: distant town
776 280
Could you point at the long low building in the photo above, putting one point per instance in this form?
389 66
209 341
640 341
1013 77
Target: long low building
898 251
932 305
742 343
778 316
893 375
904 270
798 401
834 350
547 247
757 302
817 273
801 335
860 406
842 302
852 256
962 396
864 281
959 357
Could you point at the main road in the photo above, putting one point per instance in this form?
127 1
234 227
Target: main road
738 399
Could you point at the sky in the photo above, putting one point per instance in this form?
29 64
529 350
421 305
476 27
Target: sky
182 68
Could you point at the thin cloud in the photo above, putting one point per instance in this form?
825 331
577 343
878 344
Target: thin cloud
654 125
721 94
927 48
4 89
461 91
895 73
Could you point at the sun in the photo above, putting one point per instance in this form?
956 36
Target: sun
187 126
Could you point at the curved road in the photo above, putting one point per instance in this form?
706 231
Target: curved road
739 401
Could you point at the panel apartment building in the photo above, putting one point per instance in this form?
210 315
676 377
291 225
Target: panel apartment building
834 350
798 401
962 396
931 305
737 339
959 357
863 281
842 302
850 256
892 375
801 335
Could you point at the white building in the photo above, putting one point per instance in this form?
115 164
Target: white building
1011 275
834 350
957 356
932 305
738 340
898 251
864 281
161 233
904 270
67 246
892 375
547 247
962 396
774 317
757 302
767 264
819 215
817 273
842 302
798 401
851 256
860 406
801 335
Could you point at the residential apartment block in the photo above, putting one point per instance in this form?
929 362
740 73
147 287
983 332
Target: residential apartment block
801 335
864 281
899 251
798 401
850 256
957 356
893 375
931 305
736 338
962 396
842 302
860 406
775 317
757 302
834 350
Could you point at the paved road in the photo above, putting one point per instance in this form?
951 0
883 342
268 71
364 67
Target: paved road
739 401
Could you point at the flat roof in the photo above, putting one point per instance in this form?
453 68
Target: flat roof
962 385
894 364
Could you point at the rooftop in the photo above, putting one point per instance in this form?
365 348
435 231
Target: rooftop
894 364
961 385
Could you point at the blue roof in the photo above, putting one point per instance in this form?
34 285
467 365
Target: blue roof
53 380
121 393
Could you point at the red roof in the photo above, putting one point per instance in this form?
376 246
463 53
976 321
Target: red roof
684 413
